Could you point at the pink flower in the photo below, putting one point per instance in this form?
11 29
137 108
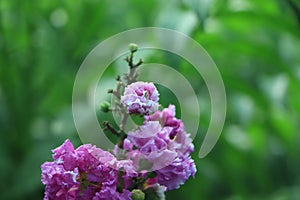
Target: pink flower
85 173
109 193
140 98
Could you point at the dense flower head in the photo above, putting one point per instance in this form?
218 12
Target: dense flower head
83 173
140 98
164 144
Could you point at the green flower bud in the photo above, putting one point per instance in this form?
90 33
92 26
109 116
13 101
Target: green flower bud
137 195
105 106
133 47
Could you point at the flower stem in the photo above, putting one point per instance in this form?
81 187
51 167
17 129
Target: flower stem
122 82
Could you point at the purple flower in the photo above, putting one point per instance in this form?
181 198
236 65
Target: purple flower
166 118
163 142
175 174
109 193
140 98
85 173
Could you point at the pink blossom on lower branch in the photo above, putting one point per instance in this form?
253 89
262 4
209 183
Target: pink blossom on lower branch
110 193
82 174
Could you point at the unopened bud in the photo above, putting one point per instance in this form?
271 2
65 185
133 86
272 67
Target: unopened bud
133 47
105 106
137 195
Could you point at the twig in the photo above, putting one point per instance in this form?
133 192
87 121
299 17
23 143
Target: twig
107 126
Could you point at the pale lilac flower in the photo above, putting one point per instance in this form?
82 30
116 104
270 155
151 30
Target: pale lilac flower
140 98
175 174
163 142
167 118
148 138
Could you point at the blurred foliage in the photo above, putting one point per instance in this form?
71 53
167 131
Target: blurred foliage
255 44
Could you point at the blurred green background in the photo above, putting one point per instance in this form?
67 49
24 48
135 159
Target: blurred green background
255 44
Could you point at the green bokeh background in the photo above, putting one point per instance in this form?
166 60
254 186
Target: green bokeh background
255 44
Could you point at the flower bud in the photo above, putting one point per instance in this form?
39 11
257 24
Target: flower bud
137 195
105 106
133 47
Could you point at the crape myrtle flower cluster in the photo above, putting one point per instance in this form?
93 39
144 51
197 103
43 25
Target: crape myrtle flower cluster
83 173
146 162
